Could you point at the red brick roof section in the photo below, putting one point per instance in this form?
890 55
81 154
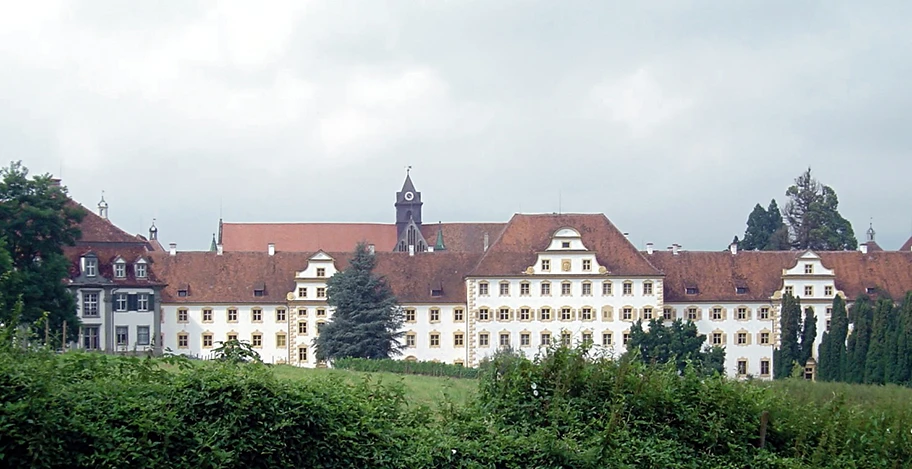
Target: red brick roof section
908 246
462 237
882 270
526 235
306 237
230 278
98 230
107 255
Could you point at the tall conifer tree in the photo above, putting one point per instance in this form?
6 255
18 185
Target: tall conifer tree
861 314
877 362
832 352
903 371
808 336
788 353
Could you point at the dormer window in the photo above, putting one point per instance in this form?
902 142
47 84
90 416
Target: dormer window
259 292
691 290
809 268
182 293
140 269
565 244
741 290
870 290
321 272
120 269
545 265
436 292
91 267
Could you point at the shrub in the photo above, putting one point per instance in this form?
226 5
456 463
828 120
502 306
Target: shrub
405 367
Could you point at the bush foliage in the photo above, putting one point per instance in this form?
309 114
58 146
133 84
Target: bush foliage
406 367
564 409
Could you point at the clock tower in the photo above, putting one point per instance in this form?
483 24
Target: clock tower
408 217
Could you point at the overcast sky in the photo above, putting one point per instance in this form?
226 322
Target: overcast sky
672 117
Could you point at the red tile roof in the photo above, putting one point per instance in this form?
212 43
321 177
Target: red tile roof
107 254
908 246
230 278
97 230
462 237
525 235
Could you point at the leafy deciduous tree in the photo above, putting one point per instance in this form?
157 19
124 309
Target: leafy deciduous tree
679 343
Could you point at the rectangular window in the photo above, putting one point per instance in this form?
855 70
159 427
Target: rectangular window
302 327
586 314
142 335
525 314
207 340
587 265
647 313
123 335
183 341
321 272
302 312
587 337
587 289
259 292
504 289
717 314
691 290
458 315
627 314
483 339
410 340
546 265
565 244
321 292
435 340
435 315
668 314
606 288
828 290
566 314
647 288
525 339
280 340
256 340
89 305
321 312
140 270
764 313
90 337
120 302
789 290
280 315
545 338
302 354
484 314
692 314
142 302
546 289
91 269
182 315
808 290
764 338
120 270
565 289
742 313
717 338
606 338
302 292
319 326
458 339
503 314
764 367
546 314
482 289
207 315
565 339
524 289
742 367
625 338
628 288
232 337
232 315
742 338
809 268
741 290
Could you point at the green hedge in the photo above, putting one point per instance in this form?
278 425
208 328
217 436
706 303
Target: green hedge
563 410
406 367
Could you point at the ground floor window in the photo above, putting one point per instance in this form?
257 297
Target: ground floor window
142 335
123 336
90 337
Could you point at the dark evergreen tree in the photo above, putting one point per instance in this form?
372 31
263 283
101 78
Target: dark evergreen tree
808 336
877 361
779 235
860 314
678 342
758 232
832 352
788 353
366 319
814 219
37 221
903 368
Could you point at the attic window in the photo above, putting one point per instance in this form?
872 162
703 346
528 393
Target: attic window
565 244
259 293
870 290
436 292
741 290
140 269
691 290
120 269
91 267
182 293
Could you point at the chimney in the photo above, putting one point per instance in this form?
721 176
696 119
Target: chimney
863 248
430 249
486 242
270 248
219 249
411 249
172 249
649 249
675 248
733 247
370 248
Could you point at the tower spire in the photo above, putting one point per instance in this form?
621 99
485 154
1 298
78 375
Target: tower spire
439 245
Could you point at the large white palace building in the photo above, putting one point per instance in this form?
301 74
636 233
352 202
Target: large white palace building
466 289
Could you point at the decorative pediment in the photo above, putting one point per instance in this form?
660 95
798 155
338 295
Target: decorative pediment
320 256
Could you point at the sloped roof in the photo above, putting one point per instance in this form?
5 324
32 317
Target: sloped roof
463 237
97 230
907 246
525 235
229 278
107 254
882 270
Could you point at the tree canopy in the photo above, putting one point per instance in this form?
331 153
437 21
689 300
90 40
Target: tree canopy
814 219
36 222
789 352
765 230
366 318
677 343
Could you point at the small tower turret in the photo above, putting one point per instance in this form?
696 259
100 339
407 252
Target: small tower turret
103 207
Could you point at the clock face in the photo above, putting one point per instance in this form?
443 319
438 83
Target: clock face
409 196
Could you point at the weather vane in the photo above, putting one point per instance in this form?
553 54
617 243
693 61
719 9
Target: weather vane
408 169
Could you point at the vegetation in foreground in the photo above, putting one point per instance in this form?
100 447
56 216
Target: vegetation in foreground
563 409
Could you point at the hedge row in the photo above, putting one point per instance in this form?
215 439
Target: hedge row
406 367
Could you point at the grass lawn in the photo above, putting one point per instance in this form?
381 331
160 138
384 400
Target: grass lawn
427 390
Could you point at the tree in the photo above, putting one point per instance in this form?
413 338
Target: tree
366 320
765 230
832 352
789 352
903 368
814 219
860 314
808 336
37 221
678 343
877 361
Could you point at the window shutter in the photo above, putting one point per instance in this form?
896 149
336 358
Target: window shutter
151 301
131 302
